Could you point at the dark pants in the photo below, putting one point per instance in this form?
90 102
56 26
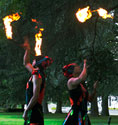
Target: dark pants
37 115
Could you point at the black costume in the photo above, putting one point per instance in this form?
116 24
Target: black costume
35 115
78 112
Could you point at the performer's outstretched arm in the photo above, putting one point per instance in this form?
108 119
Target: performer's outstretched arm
76 81
26 60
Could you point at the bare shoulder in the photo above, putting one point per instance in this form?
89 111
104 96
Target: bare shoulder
73 83
70 84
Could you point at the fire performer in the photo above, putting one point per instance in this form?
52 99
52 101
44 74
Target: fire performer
33 114
78 94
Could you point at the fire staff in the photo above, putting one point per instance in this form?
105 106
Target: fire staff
33 114
78 94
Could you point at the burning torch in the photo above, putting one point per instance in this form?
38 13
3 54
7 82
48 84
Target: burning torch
7 23
103 13
85 14
38 40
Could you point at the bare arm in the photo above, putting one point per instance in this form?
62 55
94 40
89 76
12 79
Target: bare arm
80 78
26 60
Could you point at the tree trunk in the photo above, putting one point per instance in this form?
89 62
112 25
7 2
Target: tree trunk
105 111
94 107
45 107
22 107
59 106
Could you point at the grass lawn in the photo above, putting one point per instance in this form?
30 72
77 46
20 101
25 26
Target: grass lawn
51 119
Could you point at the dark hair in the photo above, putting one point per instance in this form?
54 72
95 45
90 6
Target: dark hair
38 58
68 70
43 62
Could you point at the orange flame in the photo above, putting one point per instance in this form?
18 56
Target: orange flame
38 44
84 14
7 22
103 13
34 20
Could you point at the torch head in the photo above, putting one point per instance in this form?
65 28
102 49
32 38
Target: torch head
42 62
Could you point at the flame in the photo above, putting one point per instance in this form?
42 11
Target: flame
7 22
34 20
103 13
38 44
84 14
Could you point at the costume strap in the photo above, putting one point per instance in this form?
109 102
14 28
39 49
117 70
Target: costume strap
36 72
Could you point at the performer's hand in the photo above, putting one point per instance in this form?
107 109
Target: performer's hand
26 44
85 64
85 61
25 115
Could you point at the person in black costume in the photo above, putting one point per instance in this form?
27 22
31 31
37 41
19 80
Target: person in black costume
35 88
78 94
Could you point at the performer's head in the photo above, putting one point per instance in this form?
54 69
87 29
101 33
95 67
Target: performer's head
42 62
71 70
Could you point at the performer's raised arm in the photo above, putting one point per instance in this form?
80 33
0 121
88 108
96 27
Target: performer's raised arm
78 94
74 81
26 60
35 87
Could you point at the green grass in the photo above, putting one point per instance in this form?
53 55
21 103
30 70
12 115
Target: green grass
51 119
